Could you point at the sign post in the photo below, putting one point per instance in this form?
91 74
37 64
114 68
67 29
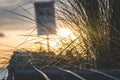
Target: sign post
45 19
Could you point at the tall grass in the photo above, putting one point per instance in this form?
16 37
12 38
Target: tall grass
89 22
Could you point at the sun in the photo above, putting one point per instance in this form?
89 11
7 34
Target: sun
63 32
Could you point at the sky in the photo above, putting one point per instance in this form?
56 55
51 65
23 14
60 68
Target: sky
14 27
10 27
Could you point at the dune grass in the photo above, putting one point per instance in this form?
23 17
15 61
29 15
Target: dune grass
89 22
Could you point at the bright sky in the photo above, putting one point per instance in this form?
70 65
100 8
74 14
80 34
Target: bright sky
12 29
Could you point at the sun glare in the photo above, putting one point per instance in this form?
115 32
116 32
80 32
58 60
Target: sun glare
63 32
41 44
54 40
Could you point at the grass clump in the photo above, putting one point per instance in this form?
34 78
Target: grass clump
91 21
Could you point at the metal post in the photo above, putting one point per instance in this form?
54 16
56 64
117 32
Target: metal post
48 44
